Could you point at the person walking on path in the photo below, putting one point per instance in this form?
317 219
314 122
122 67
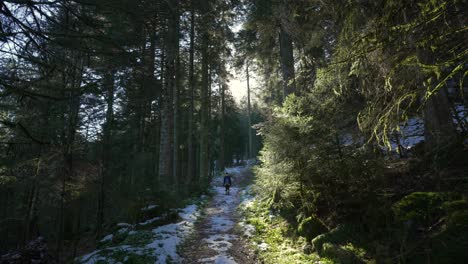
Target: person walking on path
227 181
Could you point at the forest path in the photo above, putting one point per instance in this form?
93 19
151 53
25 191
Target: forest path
217 238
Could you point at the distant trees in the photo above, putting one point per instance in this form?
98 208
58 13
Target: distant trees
106 106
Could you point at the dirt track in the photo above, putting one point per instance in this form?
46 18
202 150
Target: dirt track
217 238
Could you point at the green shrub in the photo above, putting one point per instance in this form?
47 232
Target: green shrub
139 259
419 208
141 237
311 227
126 257
120 236
449 245
447 240
258 223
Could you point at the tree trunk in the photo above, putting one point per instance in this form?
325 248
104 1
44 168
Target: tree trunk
155 92
32 203
77 227
439 129
106 150
249 129
75 73
100 203
287 62
150 89
209 122
190 142
160 123
204 111
222 132
166 151
174 26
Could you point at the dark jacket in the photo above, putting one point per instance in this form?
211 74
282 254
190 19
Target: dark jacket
227 180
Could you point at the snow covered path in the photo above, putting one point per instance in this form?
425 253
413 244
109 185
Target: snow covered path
216 238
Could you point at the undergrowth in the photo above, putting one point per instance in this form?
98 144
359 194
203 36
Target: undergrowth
274 240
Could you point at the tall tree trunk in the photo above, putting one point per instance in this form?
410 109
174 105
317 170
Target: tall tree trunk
222 132
100 202
174 26
32 203
161 123
204 111
155 92
249 129
150 89
75 73
208 125
143 97
287 62
77 227
190 142
166 151
106 150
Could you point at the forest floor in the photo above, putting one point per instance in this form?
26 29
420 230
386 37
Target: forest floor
217 237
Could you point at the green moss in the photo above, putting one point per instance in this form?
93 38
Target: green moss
311 227
340 254
449 245
258 223
342 235
452 206
358 252
278 234
6 181
458 221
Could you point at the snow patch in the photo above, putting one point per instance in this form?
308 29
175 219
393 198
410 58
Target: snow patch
220 242
219 259
412 132
263 246
124 225
248 229
147 222
107 238
163 245
168 237
123 230
149 207
221 223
